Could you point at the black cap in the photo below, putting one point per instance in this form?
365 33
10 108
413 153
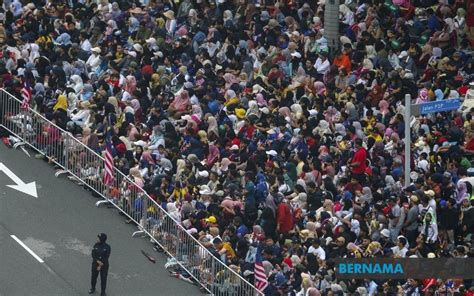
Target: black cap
102 237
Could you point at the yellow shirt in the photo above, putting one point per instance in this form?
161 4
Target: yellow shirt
61 103
228 248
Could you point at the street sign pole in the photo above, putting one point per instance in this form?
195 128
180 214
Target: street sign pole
331 25
407 139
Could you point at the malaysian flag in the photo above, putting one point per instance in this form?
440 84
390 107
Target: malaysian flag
26 95
109 163
261 281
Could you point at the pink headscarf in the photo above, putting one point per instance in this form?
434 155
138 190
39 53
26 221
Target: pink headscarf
383 105
130 84
313 292
261 101
230 79
388 132
319 87
422 96
285 111
330 114
213 155
181 101
196 110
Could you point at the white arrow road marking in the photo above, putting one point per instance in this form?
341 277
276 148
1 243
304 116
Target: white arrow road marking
27 249
29 188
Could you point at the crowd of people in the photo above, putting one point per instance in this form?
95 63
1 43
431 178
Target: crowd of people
257 135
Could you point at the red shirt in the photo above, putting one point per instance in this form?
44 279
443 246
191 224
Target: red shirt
360 156
343 61
284 218
470 145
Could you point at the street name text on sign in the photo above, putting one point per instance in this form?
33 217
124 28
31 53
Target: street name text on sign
436 106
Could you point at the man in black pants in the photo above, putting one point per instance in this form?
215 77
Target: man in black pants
100 263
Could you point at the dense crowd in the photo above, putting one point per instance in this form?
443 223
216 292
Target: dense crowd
255 135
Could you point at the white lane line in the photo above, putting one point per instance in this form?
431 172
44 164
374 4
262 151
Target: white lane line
27 249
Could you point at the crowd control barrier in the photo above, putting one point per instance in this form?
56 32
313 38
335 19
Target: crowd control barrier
86 166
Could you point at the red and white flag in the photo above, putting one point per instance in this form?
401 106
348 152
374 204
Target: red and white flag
26 95
261 281
109 165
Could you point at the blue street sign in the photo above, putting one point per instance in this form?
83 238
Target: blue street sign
437 106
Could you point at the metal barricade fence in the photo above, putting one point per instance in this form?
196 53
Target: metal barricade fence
86 166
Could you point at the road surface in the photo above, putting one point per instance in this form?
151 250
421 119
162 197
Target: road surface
59 228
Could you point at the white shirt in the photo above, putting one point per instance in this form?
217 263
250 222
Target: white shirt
93 62
86 45
424 165
399 252
322 66
318 252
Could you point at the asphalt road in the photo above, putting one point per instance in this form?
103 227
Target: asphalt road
60 226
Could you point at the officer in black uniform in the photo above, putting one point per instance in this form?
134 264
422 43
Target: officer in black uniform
100 263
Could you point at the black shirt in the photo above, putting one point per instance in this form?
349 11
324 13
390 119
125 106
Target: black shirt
101 252
448 218
314 201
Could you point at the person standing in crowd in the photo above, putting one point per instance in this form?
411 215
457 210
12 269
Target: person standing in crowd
359 161
100 263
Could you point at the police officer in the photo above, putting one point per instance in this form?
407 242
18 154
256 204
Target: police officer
100 263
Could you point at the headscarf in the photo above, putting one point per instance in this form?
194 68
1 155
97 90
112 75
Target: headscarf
134 24
297 111
196 110
261 100
285 112
422 96
78 85
111 27
383 106
213 155
212 126
61 103
376 95
130 84
358 128
339 128
230 79
116 12
461 192
135 105
319 87
313 292
181 101
227 16
113 101
366 194
323 128
439 95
